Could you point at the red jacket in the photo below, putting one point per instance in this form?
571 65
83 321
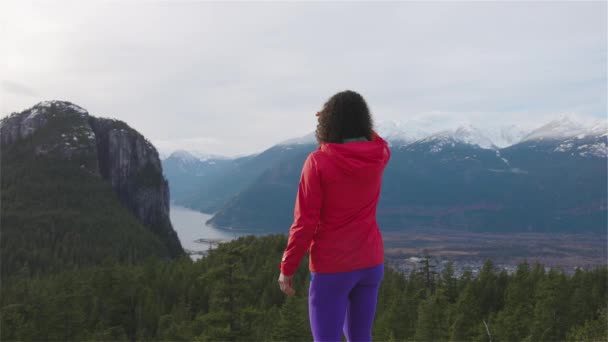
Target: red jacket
335 211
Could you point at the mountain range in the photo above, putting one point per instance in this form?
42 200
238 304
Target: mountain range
76 189
552 178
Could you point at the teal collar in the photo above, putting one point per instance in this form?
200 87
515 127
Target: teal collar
354 139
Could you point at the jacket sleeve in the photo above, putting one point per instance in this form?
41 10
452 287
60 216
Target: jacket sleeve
387 150
306 216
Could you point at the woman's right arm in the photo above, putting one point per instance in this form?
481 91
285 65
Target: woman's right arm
306 214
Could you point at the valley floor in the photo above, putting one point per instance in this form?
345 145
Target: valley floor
471 250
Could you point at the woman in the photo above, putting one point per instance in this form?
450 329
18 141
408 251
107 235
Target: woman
335 220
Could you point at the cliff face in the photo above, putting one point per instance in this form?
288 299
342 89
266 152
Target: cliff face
132 166
105 147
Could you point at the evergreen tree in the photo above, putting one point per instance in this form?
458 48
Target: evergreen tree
428 273
293 323
432 324
551 308
514 321
449 283
229 289
592 330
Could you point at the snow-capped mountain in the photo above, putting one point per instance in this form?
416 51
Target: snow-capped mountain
184 157
472 136
194 156
503 136
192 162
436 135
574 137
566 127
404 133
447 139
401 133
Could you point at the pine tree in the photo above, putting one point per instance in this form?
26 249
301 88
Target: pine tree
592 330
432 324
550 309
293 322
428 273
449 283
514 321
229 290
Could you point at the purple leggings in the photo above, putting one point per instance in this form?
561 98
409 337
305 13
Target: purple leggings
344 302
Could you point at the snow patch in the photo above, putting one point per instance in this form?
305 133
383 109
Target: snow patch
440 143
502 158
34 112
564 147
596 150
78 109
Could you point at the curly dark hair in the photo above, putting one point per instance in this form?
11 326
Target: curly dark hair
344 116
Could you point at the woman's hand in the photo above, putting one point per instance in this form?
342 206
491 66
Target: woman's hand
286 284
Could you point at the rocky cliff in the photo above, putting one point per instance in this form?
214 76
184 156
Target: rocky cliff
107 148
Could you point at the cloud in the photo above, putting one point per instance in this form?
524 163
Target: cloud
17 89
253 74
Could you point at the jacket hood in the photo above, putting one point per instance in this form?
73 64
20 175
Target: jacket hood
363 158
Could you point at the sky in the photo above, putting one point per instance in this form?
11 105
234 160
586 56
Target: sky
238 77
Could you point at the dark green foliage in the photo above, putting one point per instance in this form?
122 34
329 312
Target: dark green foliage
433 318
232 294
51 220
592 330
293 324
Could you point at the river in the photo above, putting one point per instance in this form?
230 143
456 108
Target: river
190 226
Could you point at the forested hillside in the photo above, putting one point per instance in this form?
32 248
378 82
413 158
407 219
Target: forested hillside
232 295
76 189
